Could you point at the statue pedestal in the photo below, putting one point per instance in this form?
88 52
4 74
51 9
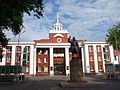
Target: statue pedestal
76 71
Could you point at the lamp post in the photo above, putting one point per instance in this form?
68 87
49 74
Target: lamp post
19 37
18 52
18 44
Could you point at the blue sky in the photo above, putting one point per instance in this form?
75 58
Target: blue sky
84 19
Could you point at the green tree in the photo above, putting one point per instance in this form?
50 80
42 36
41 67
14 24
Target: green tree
113 37
11 15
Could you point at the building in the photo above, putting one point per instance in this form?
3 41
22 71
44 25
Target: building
52 56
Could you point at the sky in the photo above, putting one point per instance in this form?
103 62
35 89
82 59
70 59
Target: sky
84 19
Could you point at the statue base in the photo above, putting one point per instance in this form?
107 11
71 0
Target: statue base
76 71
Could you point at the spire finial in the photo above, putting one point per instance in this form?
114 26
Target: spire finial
57 18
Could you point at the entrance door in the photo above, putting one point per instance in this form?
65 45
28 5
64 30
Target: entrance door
59 68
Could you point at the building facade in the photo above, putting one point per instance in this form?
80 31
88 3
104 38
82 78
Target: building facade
52 56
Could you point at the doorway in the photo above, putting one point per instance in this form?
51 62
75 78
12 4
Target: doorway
59 68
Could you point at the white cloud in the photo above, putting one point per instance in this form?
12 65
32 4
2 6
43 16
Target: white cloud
84 19
89 15
49 7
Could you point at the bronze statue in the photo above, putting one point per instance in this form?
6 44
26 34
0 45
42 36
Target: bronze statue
74 49
76 70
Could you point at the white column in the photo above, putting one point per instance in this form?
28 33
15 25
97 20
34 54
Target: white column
13 55
4 57
51 62
34 62
87 64
32 59
67 61
22 48
83 63
95 59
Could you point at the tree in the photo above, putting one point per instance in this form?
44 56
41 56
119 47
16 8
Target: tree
113 37
11 15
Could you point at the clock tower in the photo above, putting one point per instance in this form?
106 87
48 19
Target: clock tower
57 34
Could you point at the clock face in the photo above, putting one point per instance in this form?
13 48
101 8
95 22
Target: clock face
59 40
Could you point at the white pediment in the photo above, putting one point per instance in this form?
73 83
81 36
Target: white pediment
56 35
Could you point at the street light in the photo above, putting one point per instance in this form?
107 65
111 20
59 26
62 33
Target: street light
18 51
19 37
18 45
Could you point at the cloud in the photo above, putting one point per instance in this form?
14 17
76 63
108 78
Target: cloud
85 16
84 19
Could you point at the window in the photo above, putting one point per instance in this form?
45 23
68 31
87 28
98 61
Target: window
99 58
57 28
39 60
45 69
8 58
100 67
46 52
98 48
28 58
40 68
27 69
0 59
45 60
115 57
92 67
105 57
90 49
107 48
18 49
91 58
28 48
104 50
40 52
18 58
9 49
108 57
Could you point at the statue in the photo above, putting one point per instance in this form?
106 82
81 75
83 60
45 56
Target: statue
76 70
74 49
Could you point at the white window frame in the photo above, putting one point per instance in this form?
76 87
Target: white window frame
99 58
17 59
90 48
46 52
45 60
100 67
39 60
45 69
98 48
39 69
40 52
91 67
91 58
8 58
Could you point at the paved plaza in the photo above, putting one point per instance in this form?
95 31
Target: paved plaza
53 83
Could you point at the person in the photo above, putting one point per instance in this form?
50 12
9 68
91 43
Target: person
74 49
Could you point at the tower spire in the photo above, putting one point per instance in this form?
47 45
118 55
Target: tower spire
57 18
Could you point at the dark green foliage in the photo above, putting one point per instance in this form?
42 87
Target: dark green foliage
113 36
11 15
